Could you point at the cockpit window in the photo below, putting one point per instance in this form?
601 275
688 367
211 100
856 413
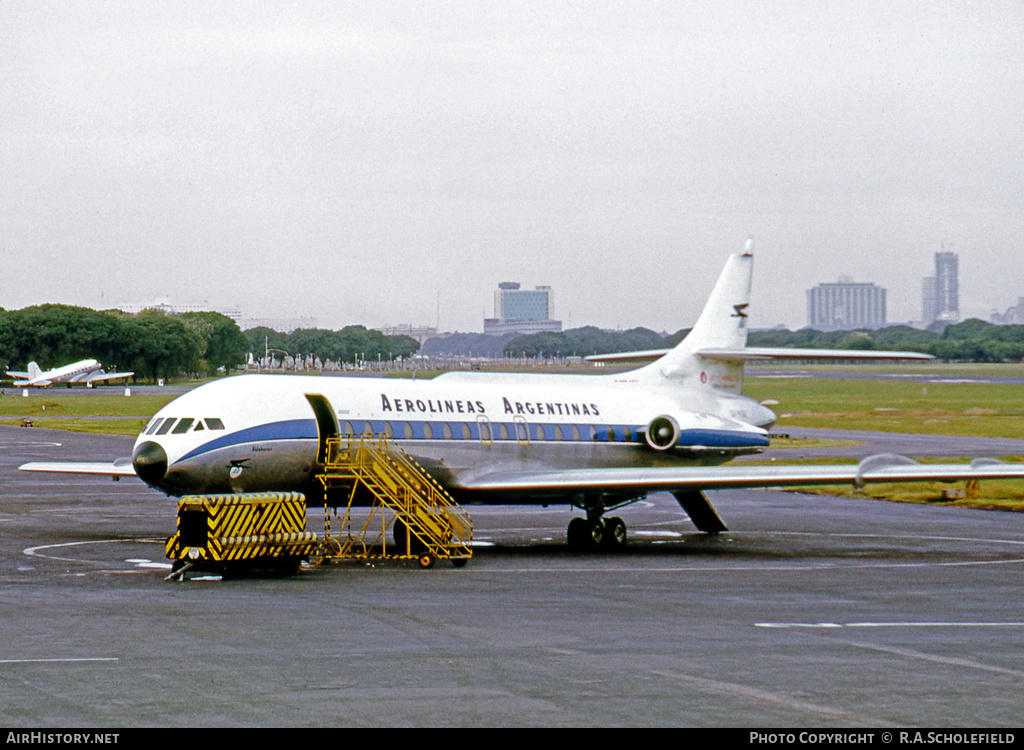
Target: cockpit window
166 426
214 424
153 425
182 426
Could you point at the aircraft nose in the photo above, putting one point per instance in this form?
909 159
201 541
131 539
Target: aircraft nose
150 462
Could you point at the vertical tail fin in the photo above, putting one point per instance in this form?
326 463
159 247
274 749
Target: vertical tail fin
33 371
722 325
723 322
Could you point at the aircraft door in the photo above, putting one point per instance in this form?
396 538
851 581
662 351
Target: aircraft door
522 430
483 427
326 423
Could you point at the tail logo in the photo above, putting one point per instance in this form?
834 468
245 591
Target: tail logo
741 313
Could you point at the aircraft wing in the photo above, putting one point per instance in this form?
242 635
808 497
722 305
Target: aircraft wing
648 355
760 353
95 377
121 467
18 374
875 469
764 352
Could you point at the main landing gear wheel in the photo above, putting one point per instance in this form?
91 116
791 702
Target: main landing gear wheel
614 533
577 534
586 534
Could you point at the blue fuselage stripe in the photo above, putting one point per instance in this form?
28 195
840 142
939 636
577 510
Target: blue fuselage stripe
305 429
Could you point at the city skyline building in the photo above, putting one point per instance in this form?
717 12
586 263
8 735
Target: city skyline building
846 305
517 310
940 294
281 325
171 308
418 333
1013 316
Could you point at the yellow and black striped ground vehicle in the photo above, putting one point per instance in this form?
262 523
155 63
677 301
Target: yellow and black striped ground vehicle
233 534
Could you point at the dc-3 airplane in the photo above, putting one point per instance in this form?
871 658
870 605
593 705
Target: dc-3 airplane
86 371
595 442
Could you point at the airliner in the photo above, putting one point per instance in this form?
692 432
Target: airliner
594 442
86 371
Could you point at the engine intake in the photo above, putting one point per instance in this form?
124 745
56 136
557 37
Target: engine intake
662 433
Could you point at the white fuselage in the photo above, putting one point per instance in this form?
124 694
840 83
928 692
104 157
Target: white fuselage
259 432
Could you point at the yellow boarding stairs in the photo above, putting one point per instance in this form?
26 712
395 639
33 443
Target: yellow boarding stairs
427 523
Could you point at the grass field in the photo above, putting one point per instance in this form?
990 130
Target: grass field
97 413
965 408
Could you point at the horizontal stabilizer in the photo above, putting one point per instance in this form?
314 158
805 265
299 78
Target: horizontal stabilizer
761 353
121 467
753 353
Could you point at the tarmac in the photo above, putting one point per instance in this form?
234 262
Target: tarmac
809 611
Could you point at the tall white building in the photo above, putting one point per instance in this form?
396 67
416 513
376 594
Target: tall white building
846 305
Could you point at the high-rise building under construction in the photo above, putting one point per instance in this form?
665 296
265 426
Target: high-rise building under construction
940 298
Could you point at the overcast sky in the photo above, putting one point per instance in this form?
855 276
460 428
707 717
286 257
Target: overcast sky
351 160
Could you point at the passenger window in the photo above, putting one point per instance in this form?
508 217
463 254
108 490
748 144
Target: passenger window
447 431
540 432
502 432
427 432
166 426
408 431
558 433
575 432
467 433
214 424
182 426
388 430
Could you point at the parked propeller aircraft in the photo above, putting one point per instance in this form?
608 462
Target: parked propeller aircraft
86 371
596 442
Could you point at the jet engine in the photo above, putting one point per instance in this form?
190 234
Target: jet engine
662 433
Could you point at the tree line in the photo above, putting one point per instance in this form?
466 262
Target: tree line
152 344
583 342
348 345
155 344
970 341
